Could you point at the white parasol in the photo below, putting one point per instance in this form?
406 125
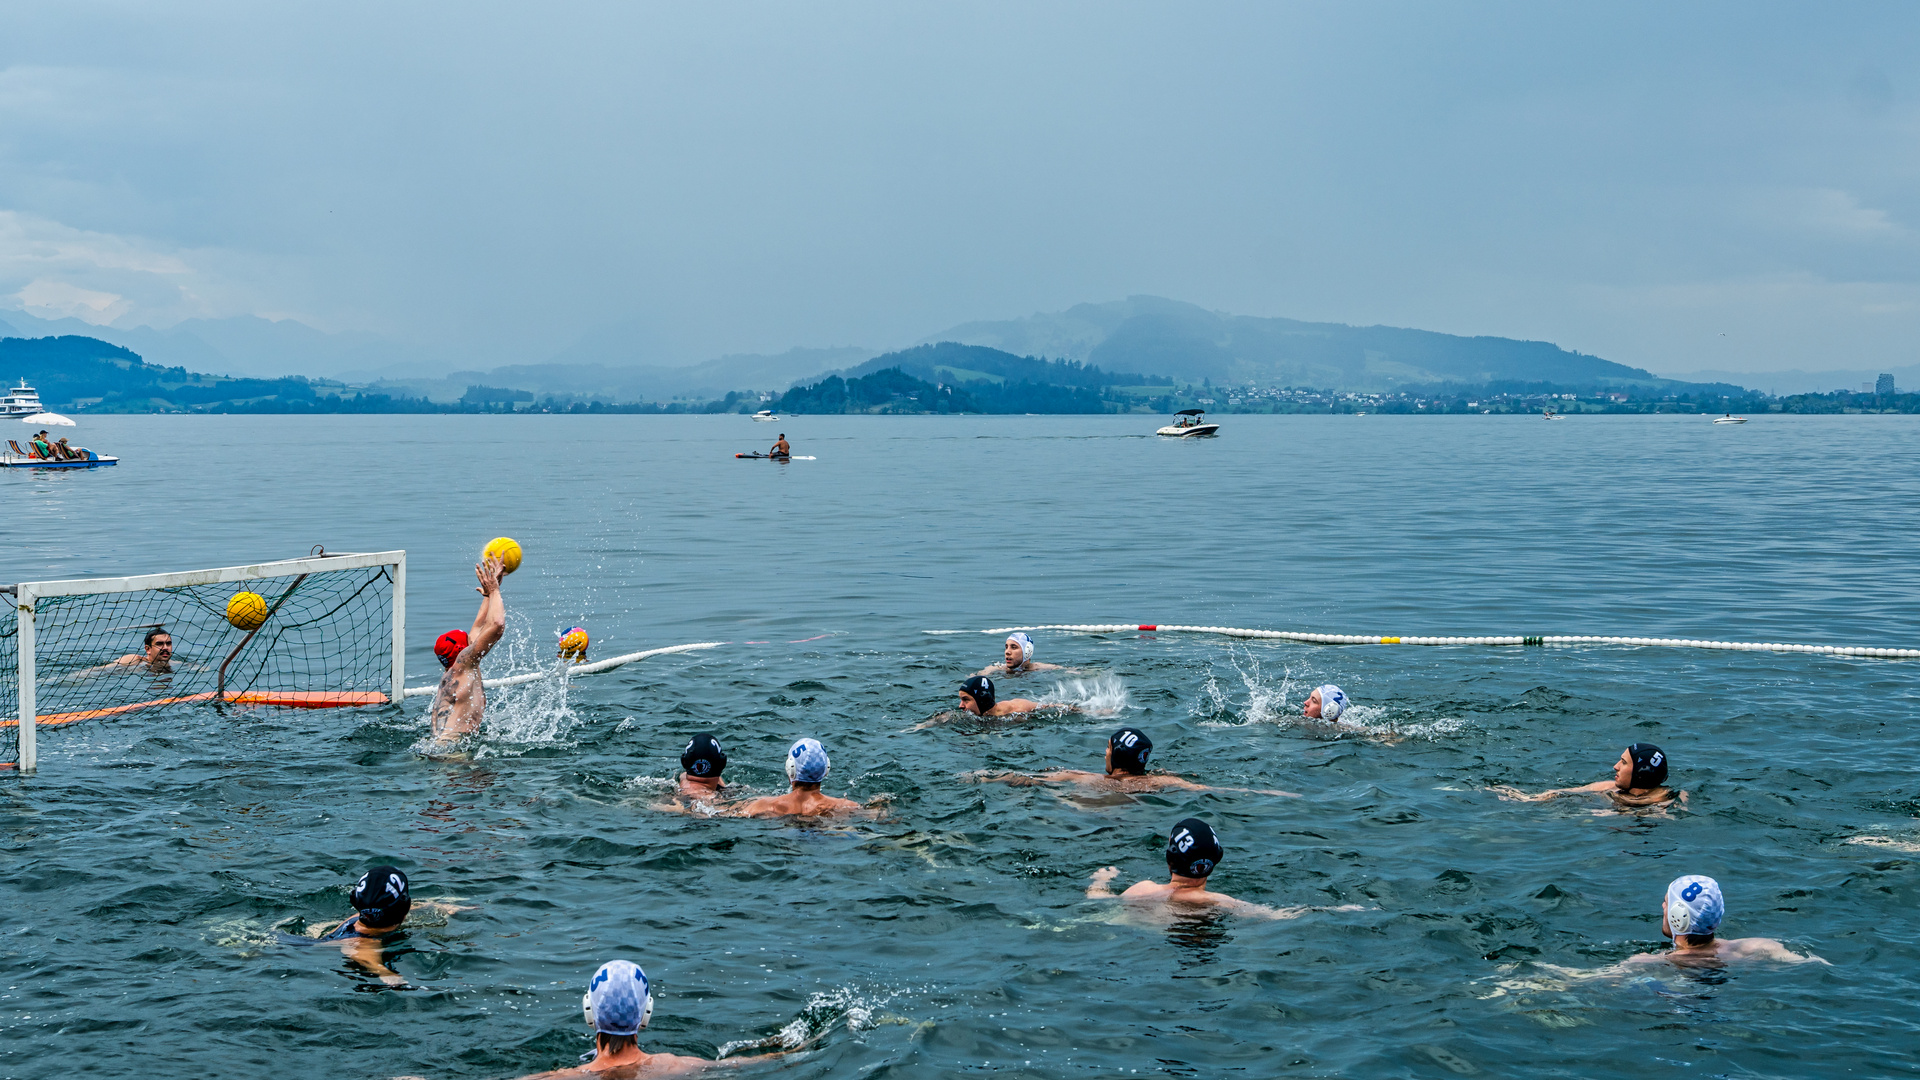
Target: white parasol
46 418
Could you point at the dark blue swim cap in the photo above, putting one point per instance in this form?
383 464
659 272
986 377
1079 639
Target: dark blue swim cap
1192 849
1130 747
381 898
980 688
1649 765
703 756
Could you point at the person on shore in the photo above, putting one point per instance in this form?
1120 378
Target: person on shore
158 654
1639 780
1690 915
701 764
461 702
1325 703
1193 852
1017 659
807 767
781 448
1126 771
618 1005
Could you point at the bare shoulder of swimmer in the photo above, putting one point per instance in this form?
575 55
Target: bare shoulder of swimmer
1760 948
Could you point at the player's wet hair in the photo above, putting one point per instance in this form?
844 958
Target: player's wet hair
151 634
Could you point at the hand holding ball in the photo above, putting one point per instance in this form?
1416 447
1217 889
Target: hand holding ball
247 610
506 549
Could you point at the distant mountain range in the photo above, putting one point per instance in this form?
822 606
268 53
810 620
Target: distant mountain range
1146 338
1194 345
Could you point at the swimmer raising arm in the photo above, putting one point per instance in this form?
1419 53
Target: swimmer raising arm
1638 780
461 702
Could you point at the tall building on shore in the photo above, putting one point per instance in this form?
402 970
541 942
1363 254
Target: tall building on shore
1884 386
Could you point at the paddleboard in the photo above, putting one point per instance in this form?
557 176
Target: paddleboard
769 457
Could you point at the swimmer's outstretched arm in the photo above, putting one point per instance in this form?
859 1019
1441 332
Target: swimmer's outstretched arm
1251 791
1101 888
987 776
1514 794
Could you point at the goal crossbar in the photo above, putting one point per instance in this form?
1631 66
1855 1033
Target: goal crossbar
28 594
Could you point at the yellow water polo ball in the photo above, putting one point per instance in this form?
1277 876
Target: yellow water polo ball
247 610
573 644
506 549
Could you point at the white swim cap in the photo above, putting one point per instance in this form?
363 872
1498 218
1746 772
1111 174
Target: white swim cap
807 762
1020 638
1333 702
1694 906
618 1001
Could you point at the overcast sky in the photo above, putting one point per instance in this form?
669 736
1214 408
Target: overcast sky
1628 180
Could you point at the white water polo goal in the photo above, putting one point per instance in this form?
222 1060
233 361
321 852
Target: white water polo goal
325 631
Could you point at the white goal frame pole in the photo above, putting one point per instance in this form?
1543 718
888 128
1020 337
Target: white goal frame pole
24 734
28 592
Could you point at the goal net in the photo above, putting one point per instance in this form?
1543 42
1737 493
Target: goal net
325 631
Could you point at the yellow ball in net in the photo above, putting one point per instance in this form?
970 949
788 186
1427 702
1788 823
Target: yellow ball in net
573 644
506 549
247 610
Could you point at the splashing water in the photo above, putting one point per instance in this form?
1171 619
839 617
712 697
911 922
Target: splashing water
518 718
823 1012
1102 695
1266 703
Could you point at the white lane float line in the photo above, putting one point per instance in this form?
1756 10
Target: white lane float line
1507 639
577 670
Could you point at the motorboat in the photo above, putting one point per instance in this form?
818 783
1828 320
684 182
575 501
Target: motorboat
16 458
1551 415
21 401
1729 419
765 416
1190 426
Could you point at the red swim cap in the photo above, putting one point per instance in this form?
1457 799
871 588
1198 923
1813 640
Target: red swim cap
449 646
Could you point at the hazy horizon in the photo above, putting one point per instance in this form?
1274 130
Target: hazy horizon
1717 188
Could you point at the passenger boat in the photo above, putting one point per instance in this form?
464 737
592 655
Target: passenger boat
1729 419
1190 426
765 416
21 401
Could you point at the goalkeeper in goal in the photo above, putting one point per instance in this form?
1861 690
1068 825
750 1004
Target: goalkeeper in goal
462 698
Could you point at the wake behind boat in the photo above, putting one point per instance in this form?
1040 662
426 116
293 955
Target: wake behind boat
1190 426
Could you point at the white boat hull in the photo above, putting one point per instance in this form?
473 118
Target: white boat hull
1729 419
1197 431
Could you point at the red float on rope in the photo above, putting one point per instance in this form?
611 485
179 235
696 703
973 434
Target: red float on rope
1149 628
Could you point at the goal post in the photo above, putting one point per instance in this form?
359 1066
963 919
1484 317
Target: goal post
332 632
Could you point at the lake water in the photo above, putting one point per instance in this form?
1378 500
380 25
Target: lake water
153 863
